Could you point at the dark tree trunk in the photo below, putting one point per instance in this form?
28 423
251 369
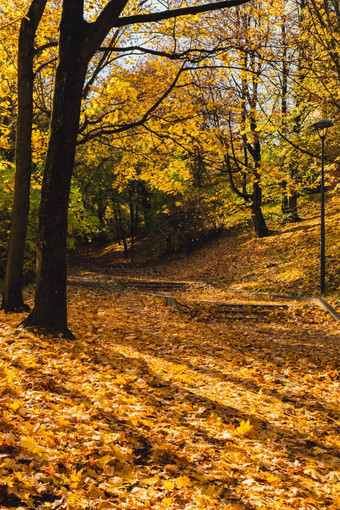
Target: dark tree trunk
293 206
284 199
50 311
259 223
12 299
125 244
169 245
289 204
121 235
132 230
146 206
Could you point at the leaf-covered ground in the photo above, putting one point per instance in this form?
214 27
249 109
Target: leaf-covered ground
181 408
151 407
288 261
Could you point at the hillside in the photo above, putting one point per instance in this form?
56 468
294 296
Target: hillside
285 262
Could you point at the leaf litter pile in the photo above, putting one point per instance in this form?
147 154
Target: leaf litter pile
151 407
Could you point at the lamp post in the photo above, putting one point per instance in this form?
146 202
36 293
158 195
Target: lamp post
322 126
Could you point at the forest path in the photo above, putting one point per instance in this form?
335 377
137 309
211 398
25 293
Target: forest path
209 299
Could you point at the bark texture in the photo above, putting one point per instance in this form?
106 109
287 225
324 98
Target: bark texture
50 309
12 299
257 218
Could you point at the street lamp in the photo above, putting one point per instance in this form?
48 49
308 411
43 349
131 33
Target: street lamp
322 126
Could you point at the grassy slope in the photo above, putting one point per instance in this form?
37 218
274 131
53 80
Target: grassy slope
285 262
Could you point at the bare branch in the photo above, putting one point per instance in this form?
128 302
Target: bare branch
168 54
101 64
174 13
45 64
51 44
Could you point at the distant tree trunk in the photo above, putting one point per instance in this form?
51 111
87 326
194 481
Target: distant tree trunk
289 203
12 299
253 148
133 220
284 198
293 202
121 235
169 245
258 220
284 108
253 200
198 167
50 311
146 206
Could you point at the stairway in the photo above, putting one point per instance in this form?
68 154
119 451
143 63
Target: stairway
156 286
205 309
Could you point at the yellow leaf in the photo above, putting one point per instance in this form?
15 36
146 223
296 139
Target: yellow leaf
273 480
183 482
212 491
167 501
28 444
76 477
15 405
19 476
168 484
120 379
245 428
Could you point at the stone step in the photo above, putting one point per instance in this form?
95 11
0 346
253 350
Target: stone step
246 308
156 285
237 311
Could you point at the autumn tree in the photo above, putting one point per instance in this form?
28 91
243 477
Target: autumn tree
79 41
118 143
320 23
308 89
231 94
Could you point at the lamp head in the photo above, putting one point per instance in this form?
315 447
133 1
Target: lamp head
321 126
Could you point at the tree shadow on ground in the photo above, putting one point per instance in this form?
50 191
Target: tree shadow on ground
162 396
280 351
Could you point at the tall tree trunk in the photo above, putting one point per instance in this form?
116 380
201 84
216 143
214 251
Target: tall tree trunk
284 109
258 220
12 299
293 202
50 312
121 234
146 207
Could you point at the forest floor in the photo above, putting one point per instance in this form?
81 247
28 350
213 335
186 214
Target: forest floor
179 407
